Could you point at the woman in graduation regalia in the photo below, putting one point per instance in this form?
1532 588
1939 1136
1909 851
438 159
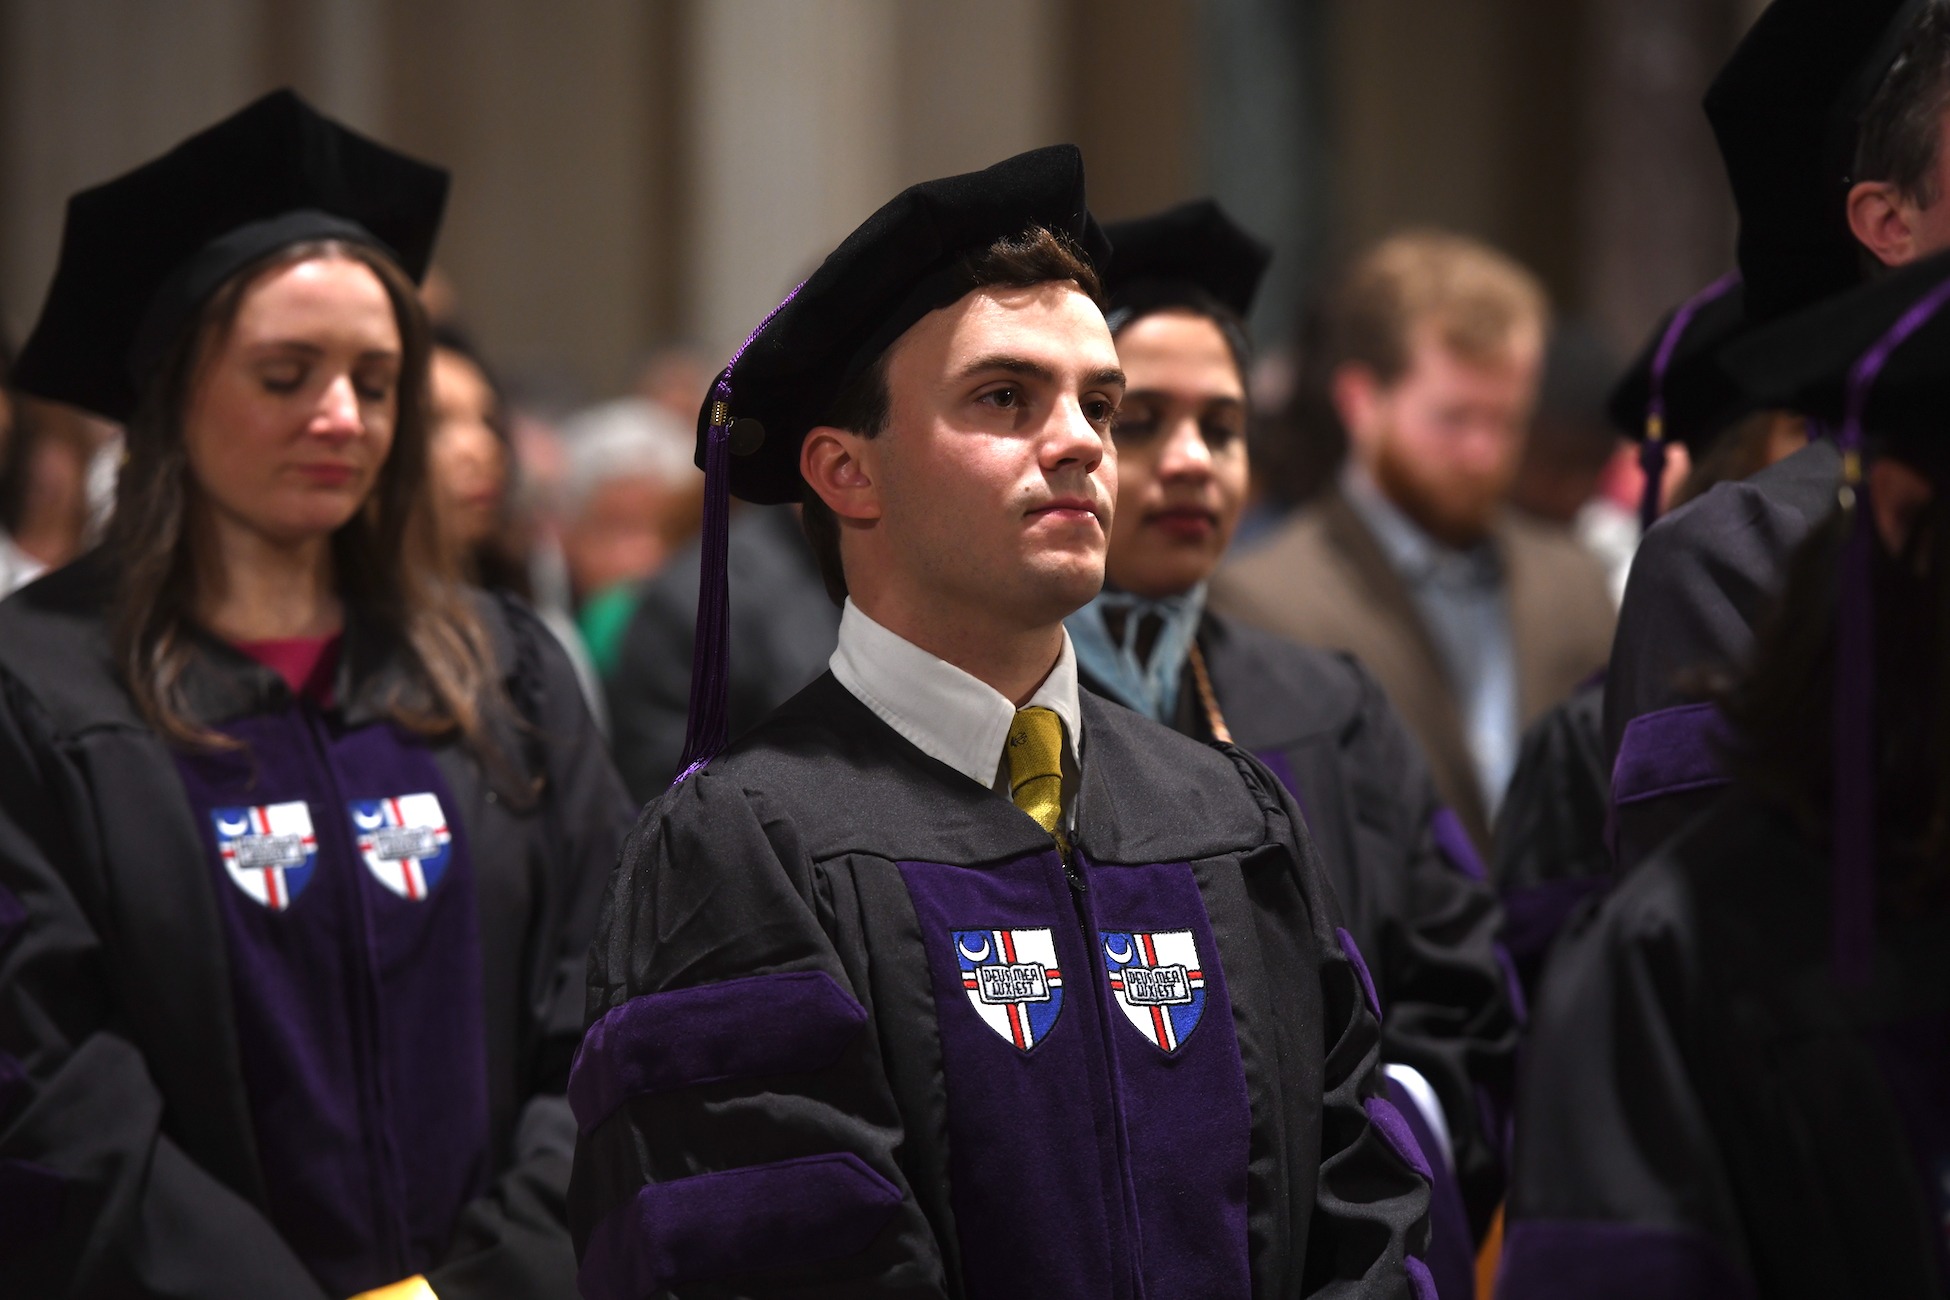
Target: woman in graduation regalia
1407 877
1738 1083
938 983
301 840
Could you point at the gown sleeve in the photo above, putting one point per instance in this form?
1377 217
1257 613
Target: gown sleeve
1452 1010
1369 1230
512 1243
1619 1188
737 1132
95 1199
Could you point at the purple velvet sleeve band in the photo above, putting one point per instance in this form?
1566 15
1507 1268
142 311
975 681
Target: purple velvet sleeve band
1669 751
1596 1260
1421 1283
1352 951
790 1214
789 1022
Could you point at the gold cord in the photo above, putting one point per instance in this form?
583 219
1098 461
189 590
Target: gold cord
1203 680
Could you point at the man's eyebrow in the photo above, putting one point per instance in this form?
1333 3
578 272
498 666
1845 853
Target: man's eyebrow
1032 369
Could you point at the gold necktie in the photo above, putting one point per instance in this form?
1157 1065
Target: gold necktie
1035 754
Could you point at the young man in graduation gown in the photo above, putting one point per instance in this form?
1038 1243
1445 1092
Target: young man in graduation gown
950 978
1830 119
1738 1082
1180 286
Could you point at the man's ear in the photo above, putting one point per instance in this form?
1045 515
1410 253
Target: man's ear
1355 392
1880 220
835 462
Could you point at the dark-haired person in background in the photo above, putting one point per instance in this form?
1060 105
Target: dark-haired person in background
1738 1081
1830 120
1406 876
301 840
984 986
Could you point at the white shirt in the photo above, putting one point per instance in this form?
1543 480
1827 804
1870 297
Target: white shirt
945 712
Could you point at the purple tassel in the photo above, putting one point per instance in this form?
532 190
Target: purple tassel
1853 884
1652 449
709 723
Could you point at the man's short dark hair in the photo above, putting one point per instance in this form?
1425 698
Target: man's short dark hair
1036 256
1901 128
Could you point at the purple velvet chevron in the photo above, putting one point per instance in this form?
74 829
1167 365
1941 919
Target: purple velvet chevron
784 1215
786 1022
1421 1283
1455 843
31 1201
1352 951
1548 1259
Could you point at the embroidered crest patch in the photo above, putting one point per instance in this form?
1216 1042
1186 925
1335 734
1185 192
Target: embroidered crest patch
1012 981
268 849
1158 983
404 841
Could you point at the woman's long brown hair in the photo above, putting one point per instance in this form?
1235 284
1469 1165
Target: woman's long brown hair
393 574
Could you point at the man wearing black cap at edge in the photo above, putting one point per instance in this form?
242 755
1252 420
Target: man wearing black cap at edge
1830 118
949 978
1738 1082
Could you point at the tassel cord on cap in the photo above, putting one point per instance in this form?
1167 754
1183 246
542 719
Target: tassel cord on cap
1853 883
1653 450
708 724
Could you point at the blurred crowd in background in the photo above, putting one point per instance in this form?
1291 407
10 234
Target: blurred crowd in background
579 506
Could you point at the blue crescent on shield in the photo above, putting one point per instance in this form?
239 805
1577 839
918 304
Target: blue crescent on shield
1121 958
233 828
978 955
367 823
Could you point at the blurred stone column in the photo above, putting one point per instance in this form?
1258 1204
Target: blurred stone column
1656 216
1262 136
90 88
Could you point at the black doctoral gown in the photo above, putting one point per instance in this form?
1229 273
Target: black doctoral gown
135 1105
1550 853
1702 580
859 1030
1705 1112
1404 872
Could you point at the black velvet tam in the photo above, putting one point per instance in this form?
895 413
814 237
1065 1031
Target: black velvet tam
1197 244
1786 109
141 253
902 263
1805 362
1701 399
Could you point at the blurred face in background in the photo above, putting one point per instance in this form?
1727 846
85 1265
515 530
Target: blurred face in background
1181 454
467 462
1443 441
292 410
621 532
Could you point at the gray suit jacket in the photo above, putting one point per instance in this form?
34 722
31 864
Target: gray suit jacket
1323 580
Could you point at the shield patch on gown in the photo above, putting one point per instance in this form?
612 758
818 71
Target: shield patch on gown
404 842
1012 981
1158 983
268 849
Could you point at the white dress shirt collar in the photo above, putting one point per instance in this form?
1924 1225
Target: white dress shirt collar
944 711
